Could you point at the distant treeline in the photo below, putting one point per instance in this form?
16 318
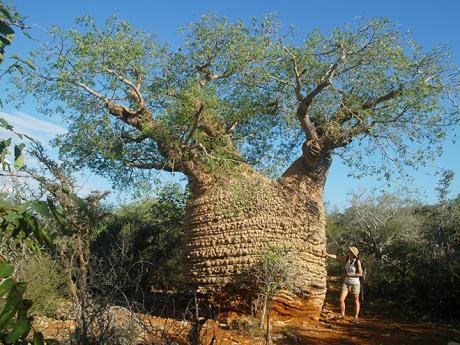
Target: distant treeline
411 251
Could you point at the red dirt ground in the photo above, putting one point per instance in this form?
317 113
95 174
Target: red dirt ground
380 324
375 328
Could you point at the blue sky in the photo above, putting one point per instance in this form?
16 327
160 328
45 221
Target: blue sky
433 23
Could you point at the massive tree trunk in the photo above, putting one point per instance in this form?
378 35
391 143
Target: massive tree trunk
229 222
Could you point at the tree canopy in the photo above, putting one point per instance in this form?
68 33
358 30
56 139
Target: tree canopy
234 93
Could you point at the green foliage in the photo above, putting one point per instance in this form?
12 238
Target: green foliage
230 92
47 294
411 251
5 146
124 51
143 244
15 324
15 220
19 222
6 30
276 269
9 18
373 59
444 184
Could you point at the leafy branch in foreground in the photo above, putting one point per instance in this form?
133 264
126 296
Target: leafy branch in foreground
21 223
16 221
15 324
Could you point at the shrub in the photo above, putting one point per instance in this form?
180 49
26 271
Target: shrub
412 252
276 269
46 283
142 244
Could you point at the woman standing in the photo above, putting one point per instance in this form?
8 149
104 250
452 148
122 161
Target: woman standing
351 283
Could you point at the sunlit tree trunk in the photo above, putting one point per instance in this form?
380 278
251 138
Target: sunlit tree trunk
230 222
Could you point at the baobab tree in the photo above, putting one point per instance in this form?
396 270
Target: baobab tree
231 107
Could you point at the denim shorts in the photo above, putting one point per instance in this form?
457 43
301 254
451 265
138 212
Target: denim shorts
351 288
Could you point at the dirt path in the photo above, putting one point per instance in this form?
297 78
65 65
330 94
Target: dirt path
380 324
372 330
375 328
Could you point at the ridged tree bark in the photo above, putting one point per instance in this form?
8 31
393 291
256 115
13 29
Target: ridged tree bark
231 221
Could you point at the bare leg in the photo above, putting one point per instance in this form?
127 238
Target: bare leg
342 297
357 306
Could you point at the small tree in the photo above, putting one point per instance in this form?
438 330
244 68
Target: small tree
78 219
276 269
380 222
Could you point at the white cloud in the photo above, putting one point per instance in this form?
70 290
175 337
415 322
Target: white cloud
44 131
41 130
38 129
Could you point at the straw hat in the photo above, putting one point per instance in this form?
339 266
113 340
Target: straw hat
354 250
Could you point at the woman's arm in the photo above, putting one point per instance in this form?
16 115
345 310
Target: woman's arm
333 256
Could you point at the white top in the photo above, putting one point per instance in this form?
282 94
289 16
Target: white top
350 269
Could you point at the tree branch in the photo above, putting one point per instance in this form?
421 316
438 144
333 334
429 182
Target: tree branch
131 138
282 81
269 109
230 128
302 111
91 91
147 165
298 85
137 94
127 115
12 174
138 77
371 103
345 113
196 117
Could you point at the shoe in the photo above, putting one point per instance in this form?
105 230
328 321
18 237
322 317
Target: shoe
355 321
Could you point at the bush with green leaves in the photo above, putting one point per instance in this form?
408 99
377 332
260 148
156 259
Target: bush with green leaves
142 243
411 251
18 223
435 260
47 294
15 322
